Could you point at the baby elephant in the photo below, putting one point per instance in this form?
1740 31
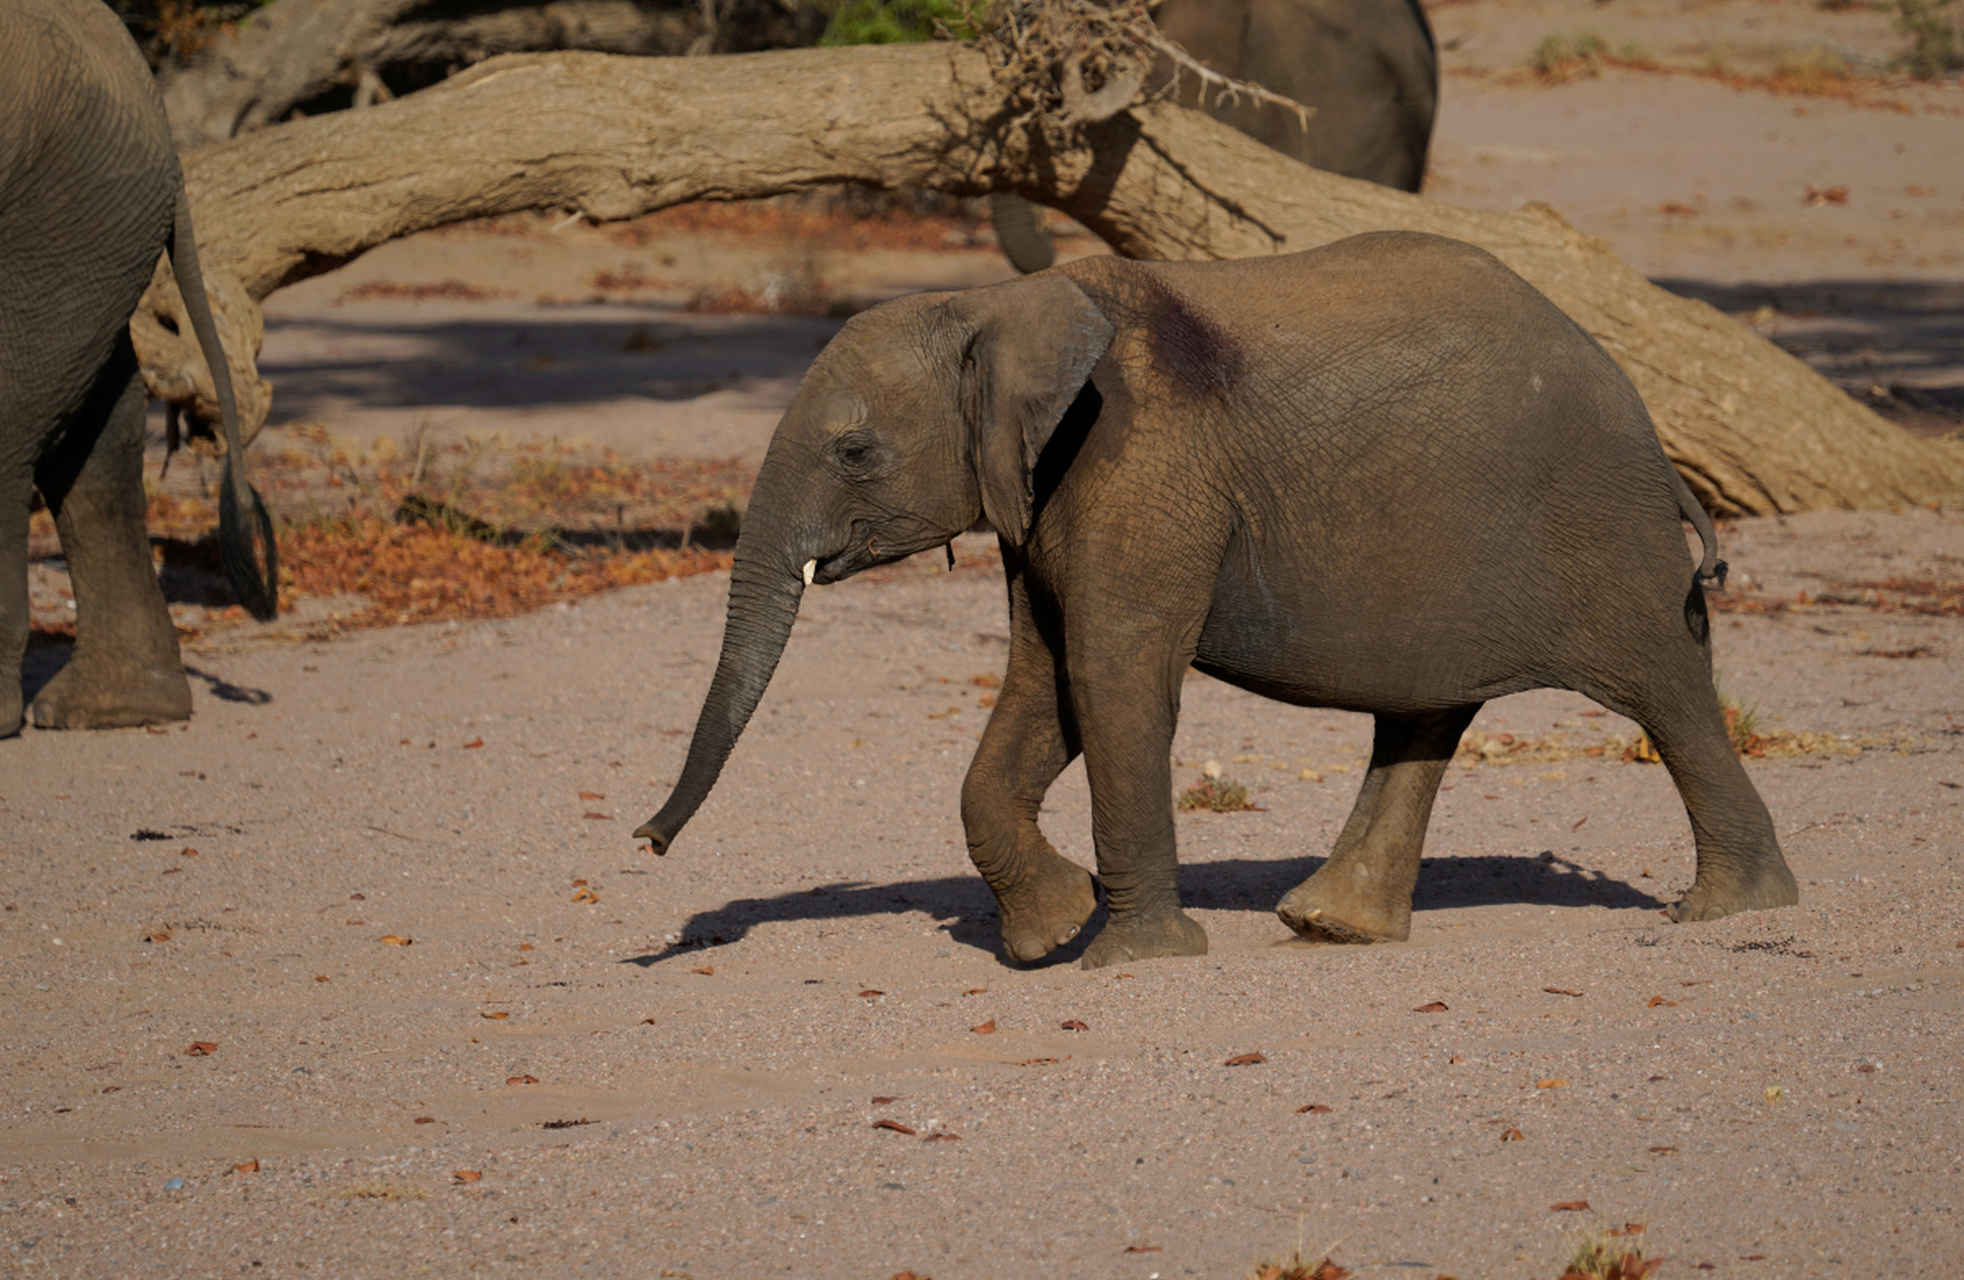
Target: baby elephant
1386 475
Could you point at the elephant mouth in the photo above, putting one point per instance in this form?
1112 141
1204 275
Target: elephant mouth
865 551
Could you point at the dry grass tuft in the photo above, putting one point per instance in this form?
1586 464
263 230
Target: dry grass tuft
1813 71
1610 1253
380 1191
1297 1269
1936 37
1213 793
1558 59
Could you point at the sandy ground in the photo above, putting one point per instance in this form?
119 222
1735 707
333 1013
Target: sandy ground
458 1021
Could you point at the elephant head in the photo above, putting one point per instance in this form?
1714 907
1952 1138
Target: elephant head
922 415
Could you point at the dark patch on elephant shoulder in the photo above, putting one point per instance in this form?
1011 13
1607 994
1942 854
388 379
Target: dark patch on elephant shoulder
1200 356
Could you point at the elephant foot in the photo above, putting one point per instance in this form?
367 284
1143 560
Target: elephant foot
1326 909
1139 936
1711 897
101 695
1046 907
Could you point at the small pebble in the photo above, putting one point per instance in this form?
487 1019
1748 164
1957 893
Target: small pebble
175 1184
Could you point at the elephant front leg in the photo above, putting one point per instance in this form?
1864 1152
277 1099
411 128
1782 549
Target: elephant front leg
1363 892
1127 717
125 670
1044 897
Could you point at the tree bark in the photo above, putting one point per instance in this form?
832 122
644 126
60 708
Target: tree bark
314 54
1753 430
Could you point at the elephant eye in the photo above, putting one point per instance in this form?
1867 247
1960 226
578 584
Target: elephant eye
854 451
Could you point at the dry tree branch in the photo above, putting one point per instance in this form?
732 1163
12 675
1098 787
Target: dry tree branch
1226 88
1077 62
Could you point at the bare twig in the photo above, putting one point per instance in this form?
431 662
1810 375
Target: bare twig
1079 62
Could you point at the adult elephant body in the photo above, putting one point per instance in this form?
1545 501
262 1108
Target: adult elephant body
90 195
1385 475
1367 69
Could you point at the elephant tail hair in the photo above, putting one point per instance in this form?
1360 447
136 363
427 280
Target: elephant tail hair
245 528
1711 569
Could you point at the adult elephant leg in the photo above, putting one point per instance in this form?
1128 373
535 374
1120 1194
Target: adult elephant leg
14 487
1126 712
1363 891
125 670
1045 898
1740 866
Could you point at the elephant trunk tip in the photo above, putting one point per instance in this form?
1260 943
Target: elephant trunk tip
658 840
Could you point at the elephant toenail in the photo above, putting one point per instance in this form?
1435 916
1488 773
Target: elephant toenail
1314 914
1070 933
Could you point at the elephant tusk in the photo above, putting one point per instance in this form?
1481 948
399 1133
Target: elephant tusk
811 568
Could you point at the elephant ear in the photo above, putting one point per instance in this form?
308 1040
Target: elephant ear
1027 349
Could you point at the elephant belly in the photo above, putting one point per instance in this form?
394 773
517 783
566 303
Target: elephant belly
1380 639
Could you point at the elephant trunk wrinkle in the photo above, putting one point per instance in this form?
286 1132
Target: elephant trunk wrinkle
763 605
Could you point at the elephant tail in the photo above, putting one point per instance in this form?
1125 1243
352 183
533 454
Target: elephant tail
1711 570
245 529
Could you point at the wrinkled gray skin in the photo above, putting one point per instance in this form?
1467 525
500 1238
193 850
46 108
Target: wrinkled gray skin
1367 67
1384 476
90 195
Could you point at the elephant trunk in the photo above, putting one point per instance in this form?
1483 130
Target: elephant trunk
767 580
1024 241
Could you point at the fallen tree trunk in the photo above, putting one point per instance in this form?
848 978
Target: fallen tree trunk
316 55
1753 429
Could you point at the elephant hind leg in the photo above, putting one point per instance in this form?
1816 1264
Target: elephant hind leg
125 670
1740 866
1363 891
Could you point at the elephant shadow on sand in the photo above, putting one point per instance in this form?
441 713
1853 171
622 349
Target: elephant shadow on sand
965 910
